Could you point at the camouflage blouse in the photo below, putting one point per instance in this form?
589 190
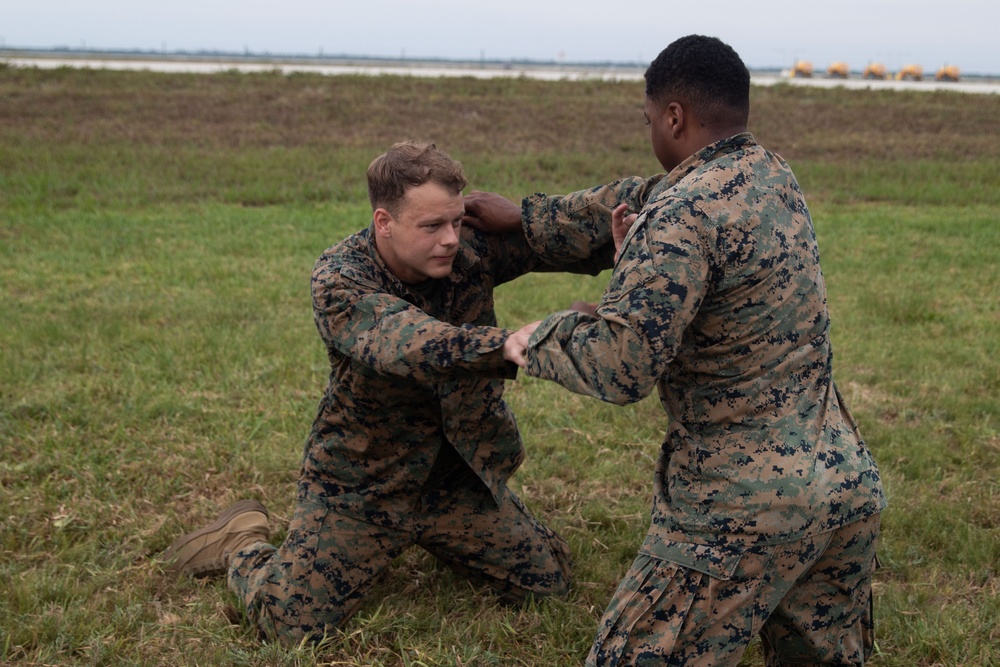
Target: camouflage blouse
717 301
414 368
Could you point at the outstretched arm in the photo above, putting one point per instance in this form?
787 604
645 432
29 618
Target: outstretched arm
557 233
358 319
619 352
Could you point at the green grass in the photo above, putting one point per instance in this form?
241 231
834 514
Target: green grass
916 305
158 358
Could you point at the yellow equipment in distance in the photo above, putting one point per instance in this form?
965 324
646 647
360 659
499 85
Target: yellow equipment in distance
802 68
874 71
838 70
910 73
947 73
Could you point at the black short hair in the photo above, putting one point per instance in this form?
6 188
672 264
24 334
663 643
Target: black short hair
705 73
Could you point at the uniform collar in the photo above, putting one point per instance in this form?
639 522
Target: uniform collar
737 142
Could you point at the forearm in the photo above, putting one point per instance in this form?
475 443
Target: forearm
591 355
394 337
565 229
431 351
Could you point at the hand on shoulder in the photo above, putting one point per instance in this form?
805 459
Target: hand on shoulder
492 213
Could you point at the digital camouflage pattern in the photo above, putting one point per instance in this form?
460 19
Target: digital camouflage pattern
717 301
415 367
667 614
413 442
328 562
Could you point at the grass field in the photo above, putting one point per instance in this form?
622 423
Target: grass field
158 358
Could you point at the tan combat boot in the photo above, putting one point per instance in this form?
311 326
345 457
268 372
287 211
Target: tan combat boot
206 551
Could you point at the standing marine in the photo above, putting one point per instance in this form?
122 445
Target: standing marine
766 500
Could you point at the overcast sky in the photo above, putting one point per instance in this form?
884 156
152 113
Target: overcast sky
766 33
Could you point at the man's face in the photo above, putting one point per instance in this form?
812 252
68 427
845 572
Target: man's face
421 242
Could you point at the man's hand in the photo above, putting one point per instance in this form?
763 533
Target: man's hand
515 347
621 222
584 307
490 212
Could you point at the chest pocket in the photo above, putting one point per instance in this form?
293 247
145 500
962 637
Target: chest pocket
473 306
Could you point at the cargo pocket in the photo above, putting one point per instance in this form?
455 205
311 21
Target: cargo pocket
718 562
296 589
654 600
637 596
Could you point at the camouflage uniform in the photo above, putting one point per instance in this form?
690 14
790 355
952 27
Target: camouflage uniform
763 484
413 443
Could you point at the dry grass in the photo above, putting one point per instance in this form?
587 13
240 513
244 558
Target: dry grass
520 116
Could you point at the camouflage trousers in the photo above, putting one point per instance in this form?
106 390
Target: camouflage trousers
320 574
810 601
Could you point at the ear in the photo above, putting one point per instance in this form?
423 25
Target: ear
675 118
382 218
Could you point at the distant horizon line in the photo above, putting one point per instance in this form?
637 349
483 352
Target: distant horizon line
268 56
247 53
